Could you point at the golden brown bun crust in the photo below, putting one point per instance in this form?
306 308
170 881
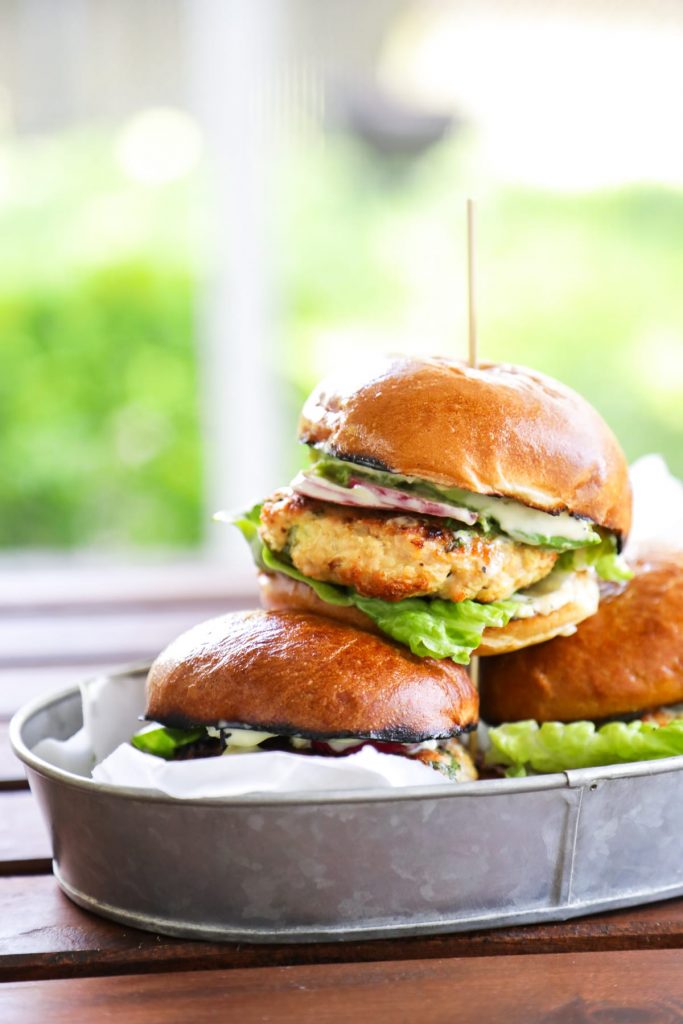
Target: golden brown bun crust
280 592
293 673
626 658
497 429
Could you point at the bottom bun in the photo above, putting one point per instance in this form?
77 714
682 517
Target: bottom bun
280 592
538 628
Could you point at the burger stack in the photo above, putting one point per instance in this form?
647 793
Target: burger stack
446 511
450 508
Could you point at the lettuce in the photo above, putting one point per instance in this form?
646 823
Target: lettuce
164 742
437 629
247 523
326 591
554 747
429 627
603 557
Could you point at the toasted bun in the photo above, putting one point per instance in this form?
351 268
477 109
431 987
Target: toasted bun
538 628
498 429
280 592
625 659
302 674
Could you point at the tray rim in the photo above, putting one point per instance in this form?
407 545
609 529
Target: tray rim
576 778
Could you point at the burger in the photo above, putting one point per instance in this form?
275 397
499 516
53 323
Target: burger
611 693
453 509
297 682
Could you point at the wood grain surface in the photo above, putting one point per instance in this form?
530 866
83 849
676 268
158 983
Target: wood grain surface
12 775
44 935
73 584
21 684
629 987
102 636
24 841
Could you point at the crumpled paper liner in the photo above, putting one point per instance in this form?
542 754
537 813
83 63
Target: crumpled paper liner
657 506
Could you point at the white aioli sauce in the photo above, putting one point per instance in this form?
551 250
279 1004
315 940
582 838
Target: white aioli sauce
245 741
513 518
555 591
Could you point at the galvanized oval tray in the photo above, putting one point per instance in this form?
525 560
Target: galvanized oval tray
340 866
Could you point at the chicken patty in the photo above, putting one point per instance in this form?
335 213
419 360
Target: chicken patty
394 556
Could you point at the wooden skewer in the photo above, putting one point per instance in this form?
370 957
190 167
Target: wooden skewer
471 287
473 742
472 360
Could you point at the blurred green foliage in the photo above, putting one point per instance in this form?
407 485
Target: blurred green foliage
98 412
98 379
99 428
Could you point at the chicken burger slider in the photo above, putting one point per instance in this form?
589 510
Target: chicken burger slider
297 682
623 665
454 509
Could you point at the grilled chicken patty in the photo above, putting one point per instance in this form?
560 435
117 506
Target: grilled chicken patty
394 556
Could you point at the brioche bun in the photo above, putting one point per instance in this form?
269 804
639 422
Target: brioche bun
301 674
626 658
280 592
497 430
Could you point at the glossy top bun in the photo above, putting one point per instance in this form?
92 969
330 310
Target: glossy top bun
301 674
280 592
626 658
498 429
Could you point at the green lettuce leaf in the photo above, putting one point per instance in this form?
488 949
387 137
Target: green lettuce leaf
340 472
436 629
164 742
603 557
247 523
554 747
326 591
429 627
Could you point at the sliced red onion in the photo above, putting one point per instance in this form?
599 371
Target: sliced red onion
364 494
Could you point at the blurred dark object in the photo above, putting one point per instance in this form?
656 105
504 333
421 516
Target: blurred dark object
385 122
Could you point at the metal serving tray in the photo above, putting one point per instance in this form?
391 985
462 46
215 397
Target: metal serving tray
357 866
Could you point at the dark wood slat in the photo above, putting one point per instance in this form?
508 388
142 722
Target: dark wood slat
52 639
44 935
67 584
20 685
633 986
24 841
12 775
40 655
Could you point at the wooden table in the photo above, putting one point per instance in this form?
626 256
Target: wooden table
60 963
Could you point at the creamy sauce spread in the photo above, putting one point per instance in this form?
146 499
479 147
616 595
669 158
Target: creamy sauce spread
242 741
516 519
519 521
553 592
245 741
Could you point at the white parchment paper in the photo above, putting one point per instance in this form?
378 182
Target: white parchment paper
657 506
